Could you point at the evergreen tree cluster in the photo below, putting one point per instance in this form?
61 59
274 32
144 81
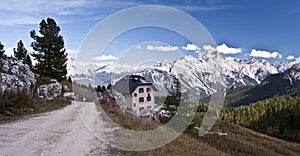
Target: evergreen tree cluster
278 116
50 52
103 89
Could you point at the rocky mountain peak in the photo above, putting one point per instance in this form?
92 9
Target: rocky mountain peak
293 73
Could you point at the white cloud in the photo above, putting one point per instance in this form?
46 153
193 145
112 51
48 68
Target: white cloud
104 58
162 48
228 50
291 57
209 48
150 47
138 46
70 51
16 12
192 47
265 54
222 49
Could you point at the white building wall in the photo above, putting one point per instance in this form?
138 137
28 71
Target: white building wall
136 105
128 99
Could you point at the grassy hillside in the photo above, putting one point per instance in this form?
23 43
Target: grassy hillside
272 107
241 141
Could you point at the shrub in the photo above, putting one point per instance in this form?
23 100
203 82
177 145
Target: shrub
14 103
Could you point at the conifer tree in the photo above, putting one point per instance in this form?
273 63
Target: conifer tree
109 86
1 49
20 52
176 88
98 88
70 79
175 97
28 62
50 50
103 89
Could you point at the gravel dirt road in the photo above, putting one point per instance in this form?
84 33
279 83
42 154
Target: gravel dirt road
59 132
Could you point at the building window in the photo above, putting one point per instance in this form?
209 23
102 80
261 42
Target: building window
141 90
134 105
149 98
135 95
148 89
141 99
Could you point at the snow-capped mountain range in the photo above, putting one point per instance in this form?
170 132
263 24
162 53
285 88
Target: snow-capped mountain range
204 75
209 72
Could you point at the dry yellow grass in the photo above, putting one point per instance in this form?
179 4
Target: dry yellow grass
241 141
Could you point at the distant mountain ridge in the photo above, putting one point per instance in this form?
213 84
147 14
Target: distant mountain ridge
204 75
283 66
281 84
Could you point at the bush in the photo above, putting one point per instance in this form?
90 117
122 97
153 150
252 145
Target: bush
14 103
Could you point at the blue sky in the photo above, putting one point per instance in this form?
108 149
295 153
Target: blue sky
269 29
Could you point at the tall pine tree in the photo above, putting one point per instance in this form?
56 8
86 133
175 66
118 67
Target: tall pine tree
175 97
50 50
20 53
1 49
176 88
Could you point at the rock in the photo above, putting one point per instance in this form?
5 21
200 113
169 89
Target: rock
53 81
69 95
52 90
65 88
16 76
42 91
